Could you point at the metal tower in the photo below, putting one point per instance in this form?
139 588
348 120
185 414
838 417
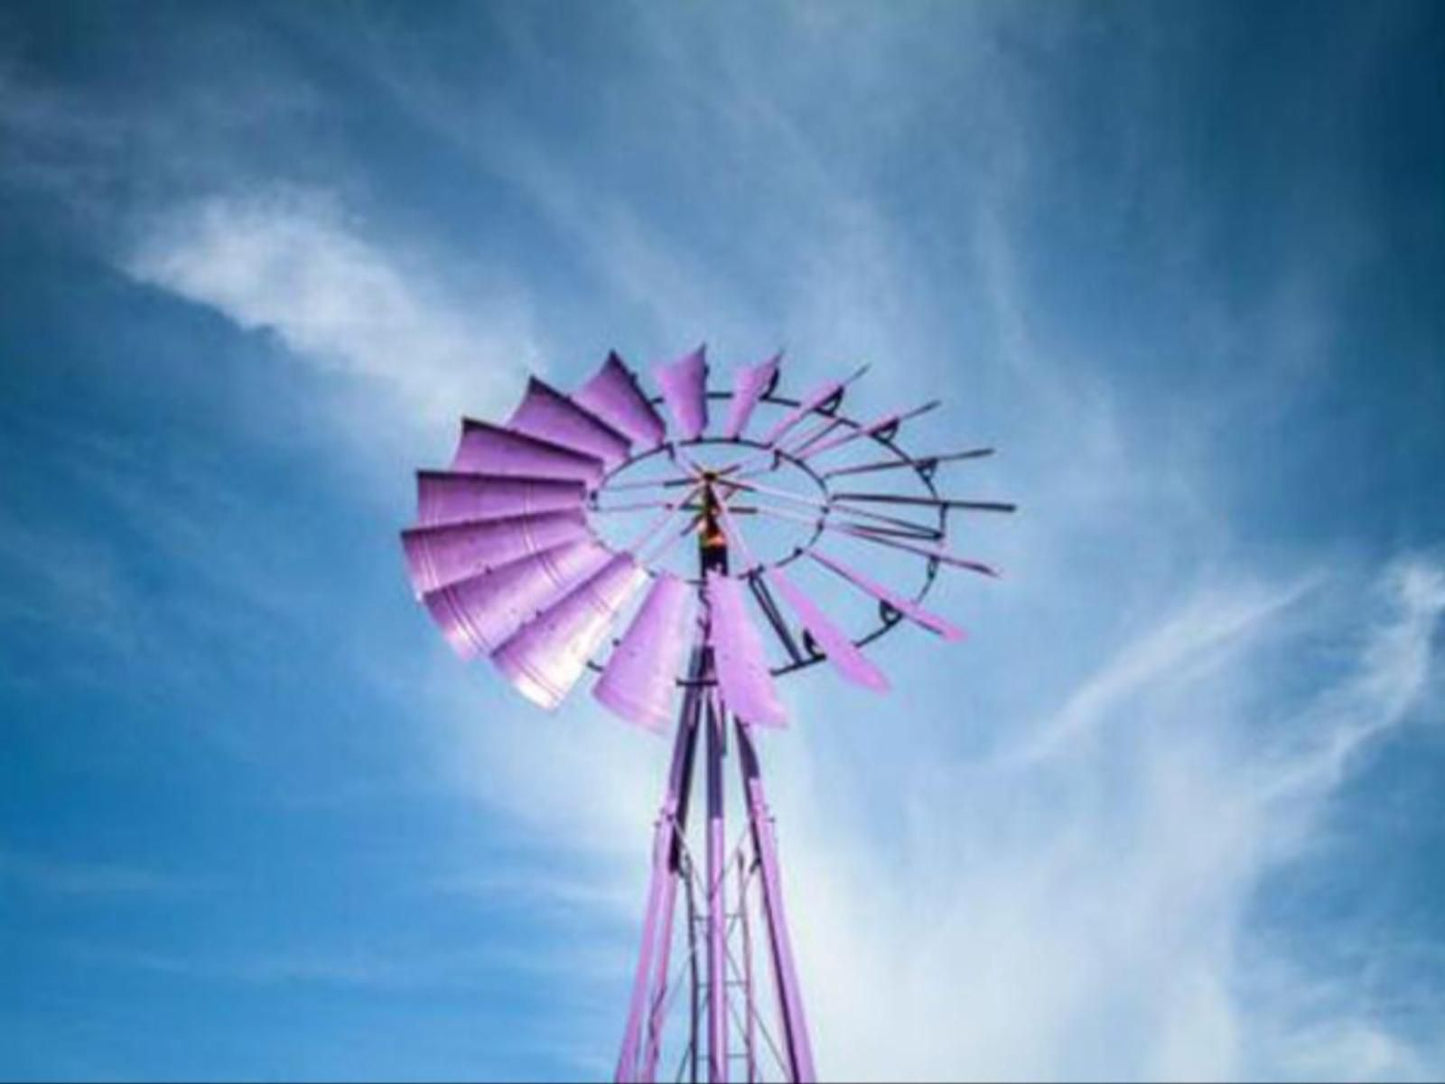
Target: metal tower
540 536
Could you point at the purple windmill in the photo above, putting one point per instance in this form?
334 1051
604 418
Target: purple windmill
551 534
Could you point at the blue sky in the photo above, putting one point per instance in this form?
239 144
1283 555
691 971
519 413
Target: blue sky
1172 811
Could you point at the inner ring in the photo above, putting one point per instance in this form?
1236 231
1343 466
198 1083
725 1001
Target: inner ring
767 458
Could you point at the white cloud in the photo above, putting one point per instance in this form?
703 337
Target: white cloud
1082 914
291 263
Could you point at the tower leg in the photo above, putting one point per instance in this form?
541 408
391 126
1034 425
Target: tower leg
797 1045
717 956
750 1016
661 896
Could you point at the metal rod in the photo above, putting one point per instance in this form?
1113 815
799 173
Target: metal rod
658 522
688 721
665 841
798 1045
651 483
908 461
893 420
750 1037
903 527
668 543
636 506
817 433
866 534
921 529
717 1030
696 985
931 502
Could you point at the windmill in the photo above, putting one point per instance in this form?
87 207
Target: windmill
547 533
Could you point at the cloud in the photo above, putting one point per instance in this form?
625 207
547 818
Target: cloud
1087 915
289 262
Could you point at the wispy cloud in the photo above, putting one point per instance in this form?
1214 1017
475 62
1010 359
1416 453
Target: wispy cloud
1086 915
289 262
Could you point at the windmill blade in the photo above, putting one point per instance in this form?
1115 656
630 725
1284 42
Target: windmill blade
742 669
906 606
684 389
439 556
548 655
749 386
851 663
614 396
490 449
639 680
444 497
477 615
547 414
927 462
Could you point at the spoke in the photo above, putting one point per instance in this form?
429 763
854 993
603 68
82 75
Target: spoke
866 534
651 483
927 463
884 424
931 502
814 435
833 396
635 506
921 529
671 541
669 510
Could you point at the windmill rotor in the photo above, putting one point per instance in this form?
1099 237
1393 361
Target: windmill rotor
552 545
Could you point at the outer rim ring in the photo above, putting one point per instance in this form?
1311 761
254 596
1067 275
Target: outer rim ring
888 618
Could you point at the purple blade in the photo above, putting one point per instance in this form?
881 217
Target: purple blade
490 449
684 389
841 651
906 606
640 677
478 614
445 497
547 414
818 397
613 395
742 669
749 386
547 656
438 556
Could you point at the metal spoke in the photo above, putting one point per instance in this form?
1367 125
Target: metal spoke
926 463
930 502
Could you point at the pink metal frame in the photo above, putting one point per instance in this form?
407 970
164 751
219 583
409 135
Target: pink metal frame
724 993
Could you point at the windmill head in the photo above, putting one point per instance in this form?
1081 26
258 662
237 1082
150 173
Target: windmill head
510 556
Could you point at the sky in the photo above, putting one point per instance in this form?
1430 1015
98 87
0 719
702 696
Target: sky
1173 809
